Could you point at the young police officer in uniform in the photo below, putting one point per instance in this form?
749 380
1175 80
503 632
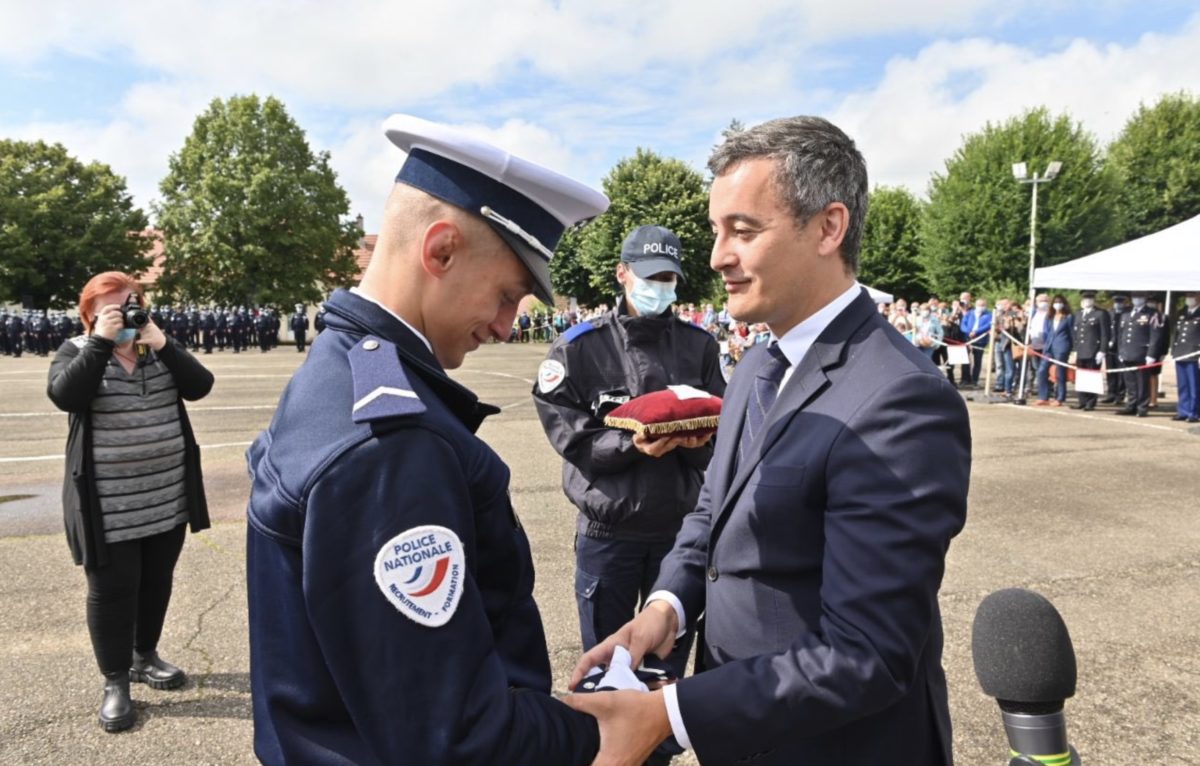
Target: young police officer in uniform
632 493
390 584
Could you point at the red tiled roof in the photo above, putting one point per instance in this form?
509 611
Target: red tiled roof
363 253
150 277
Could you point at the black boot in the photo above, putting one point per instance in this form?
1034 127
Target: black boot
156 672
116 711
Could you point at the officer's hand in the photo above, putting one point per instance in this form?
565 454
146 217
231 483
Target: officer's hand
659 446
150 335
109 322
1100 359
632 724
652 631
696 441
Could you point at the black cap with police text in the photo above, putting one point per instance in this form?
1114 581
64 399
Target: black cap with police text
651 250
527 205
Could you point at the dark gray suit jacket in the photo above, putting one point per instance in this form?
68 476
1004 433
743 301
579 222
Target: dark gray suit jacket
817 562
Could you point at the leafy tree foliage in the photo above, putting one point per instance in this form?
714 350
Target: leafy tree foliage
250 214
570 276
976 232
62 222
645 189
1157 157
890 256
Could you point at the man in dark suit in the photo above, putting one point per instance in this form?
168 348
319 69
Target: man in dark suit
818 545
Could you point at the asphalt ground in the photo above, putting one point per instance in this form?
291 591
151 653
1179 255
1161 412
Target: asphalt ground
1098 513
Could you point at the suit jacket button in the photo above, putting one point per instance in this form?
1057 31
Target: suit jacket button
713 574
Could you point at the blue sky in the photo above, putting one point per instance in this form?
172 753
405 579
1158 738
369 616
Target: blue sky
579 85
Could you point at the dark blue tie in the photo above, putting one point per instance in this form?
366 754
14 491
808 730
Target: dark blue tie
766 390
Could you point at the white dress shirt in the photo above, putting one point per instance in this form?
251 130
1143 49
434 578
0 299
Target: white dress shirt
366 297
794 344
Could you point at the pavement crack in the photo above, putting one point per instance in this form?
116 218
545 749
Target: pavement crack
190 644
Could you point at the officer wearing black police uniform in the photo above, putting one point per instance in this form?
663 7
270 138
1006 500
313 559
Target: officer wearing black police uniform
1141 341
1093 333
299 325
41 331
390 583
66 326
263 325
179 326
208 328
632 494
237 330
1185 349
222 327
1115 381
319 320
4 347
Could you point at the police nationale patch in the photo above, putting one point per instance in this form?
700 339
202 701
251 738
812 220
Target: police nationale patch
421 572
550 375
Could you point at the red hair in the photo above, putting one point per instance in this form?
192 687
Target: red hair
108 282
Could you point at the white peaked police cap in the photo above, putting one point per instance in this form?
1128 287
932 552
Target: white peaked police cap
528 205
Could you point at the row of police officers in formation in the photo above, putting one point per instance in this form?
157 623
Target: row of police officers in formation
215 327
1134 336
35 332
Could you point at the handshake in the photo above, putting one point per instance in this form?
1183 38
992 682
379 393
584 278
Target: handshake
629 705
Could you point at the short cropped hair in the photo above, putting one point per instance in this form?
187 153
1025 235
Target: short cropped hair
107 282
815 164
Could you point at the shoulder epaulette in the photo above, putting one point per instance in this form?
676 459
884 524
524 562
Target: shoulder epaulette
381 389
580 329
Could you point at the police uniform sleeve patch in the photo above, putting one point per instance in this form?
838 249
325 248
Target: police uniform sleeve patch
421 572
551 374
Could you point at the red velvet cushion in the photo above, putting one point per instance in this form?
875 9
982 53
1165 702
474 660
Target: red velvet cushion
664 413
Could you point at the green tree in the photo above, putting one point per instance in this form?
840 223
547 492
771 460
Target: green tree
890 256
569 275
62 222
976 231
649 189
1157 157
250 214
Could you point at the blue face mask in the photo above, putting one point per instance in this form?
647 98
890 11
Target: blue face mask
125 335
651 298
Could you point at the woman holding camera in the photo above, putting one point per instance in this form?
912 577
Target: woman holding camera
132 479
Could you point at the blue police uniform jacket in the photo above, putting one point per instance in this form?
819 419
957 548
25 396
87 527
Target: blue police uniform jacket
371 439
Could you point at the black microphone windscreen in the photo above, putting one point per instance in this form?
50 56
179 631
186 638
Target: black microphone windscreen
1022 651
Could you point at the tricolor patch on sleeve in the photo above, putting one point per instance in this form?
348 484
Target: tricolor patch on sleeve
422 573
551 374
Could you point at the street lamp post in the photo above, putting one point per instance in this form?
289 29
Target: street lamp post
1021 174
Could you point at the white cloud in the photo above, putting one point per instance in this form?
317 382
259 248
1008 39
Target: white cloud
916 116
363 52
577 85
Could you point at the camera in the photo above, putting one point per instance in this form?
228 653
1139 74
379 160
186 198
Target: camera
133 313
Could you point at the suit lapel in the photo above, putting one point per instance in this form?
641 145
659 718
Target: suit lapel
807 383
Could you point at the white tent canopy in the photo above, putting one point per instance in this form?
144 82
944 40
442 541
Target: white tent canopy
1166 260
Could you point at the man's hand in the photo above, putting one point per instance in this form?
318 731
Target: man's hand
151 336
632 724
651 632
657 447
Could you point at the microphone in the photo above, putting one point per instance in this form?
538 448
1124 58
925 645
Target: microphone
1023 657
